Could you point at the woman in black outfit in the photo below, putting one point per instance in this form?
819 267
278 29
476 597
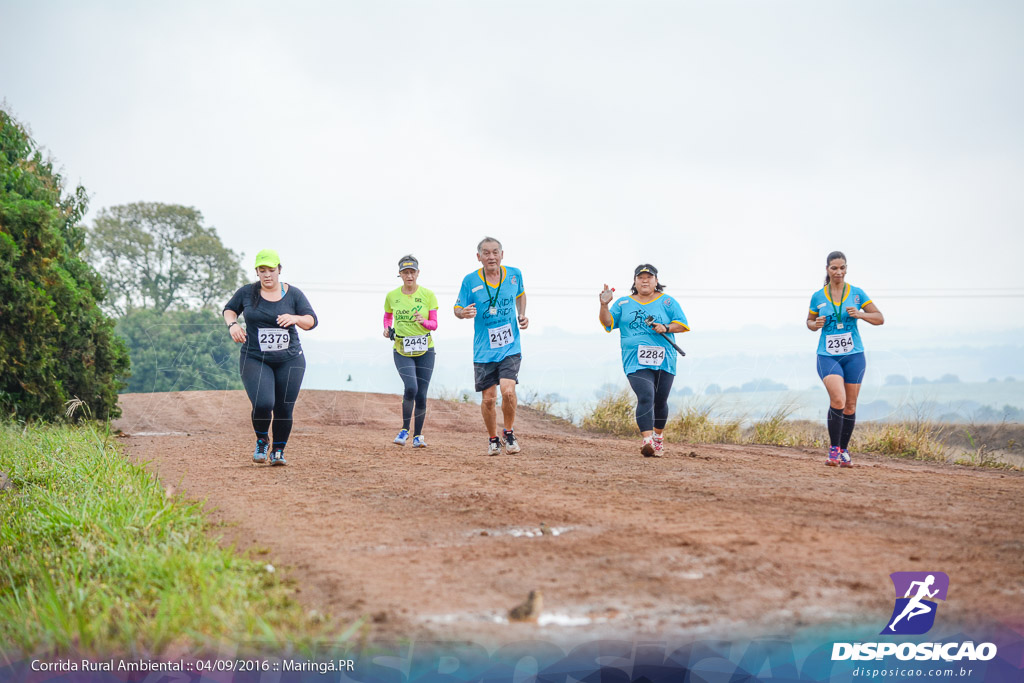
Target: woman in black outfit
271 360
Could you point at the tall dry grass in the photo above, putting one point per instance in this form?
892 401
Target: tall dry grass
694 423
918 439
613 414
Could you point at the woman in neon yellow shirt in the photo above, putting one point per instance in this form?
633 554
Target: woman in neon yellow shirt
404 321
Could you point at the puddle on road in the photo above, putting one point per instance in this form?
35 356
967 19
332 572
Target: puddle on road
522 532
564 620
158 434
545 619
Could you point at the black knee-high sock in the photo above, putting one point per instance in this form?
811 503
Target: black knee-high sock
835 425
848 422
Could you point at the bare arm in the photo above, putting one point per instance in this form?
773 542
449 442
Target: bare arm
815 322
234 328
869 314
524 322
671 327
305 322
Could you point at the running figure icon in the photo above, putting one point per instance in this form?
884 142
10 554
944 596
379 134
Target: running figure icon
915 607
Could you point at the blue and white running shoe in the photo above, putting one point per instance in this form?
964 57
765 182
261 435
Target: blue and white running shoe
277 457
402 437
418 442
260 454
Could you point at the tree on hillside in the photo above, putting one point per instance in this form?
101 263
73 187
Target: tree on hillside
55 342
161 257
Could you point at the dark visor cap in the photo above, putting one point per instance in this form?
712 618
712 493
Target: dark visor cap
645 268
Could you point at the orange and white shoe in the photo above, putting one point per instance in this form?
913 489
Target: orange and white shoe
659 445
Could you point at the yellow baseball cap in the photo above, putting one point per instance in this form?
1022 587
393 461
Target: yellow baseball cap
268 257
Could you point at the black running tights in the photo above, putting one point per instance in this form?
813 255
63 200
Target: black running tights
273 388
651 388
415 372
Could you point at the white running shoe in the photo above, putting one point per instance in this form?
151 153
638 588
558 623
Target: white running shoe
648 448
659 445
844 458
494 446
511 444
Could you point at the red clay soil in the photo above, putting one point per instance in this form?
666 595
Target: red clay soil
710 539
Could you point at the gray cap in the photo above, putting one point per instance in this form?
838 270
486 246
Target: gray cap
408 262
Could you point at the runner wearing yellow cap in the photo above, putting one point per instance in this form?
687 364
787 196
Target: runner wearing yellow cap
271 360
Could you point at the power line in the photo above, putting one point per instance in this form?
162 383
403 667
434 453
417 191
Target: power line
692 294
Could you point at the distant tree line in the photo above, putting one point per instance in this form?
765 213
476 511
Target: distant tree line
900 380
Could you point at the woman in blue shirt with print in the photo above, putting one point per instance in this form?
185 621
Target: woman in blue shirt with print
835 310
648 358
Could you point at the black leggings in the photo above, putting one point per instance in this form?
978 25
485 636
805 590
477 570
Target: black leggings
273 388
651 388
415 372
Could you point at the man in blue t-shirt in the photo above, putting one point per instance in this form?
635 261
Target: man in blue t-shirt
494 297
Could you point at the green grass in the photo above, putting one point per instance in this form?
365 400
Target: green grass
98 558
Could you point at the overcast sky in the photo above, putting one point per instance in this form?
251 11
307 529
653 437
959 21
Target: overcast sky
732 144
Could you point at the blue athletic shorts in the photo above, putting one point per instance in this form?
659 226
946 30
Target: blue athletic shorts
850 367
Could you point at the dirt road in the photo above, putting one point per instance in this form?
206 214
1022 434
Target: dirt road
706 540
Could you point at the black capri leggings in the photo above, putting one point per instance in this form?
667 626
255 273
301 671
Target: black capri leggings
651 388
415 372
273 388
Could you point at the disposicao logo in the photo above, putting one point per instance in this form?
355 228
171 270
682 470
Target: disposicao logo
914 614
